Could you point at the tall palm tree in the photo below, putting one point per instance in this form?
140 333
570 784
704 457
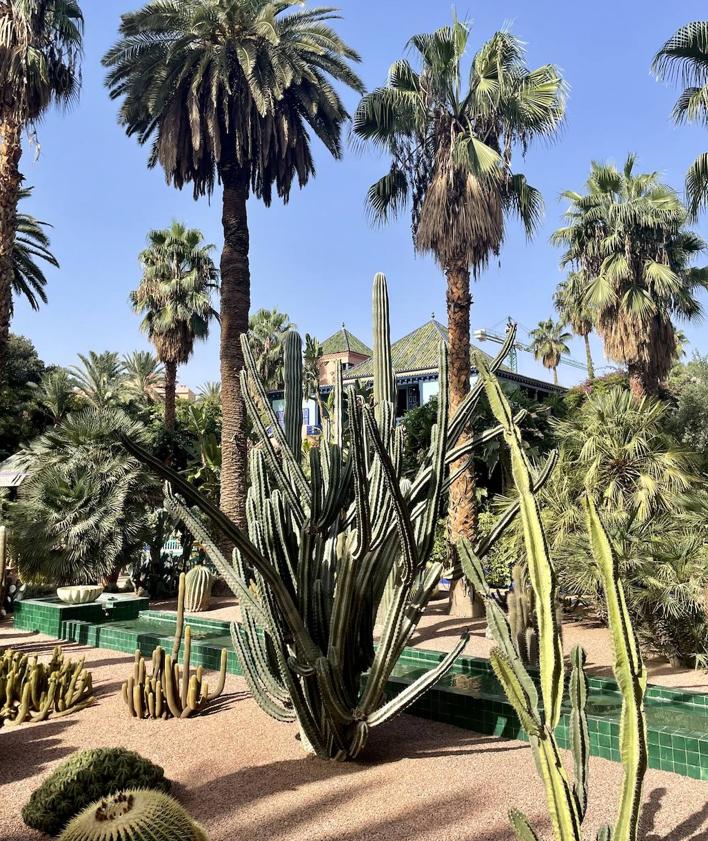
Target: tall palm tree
266 331
40 51
228 90
548 343
174 297
573 308
684 57
144 377
451 146
99 378
31 244
628 236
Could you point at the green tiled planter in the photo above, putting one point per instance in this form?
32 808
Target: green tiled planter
47 615
683 750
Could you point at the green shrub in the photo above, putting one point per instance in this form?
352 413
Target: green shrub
85 777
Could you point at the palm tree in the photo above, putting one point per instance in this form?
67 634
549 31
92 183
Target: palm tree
40 50
227 90
144 377
210 392
628 236
174 297
573 309
99 378
685 57
451 148
266 331
549 343
55 394
31 244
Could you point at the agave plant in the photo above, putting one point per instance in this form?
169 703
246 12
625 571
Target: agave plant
322 548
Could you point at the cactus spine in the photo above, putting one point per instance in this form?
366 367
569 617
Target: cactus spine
34 691
168 692
197 585
134 815
312 570
566 804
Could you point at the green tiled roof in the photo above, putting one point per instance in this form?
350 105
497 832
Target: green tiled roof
418 351
344 342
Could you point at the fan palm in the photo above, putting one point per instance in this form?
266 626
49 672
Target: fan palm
40 50
266 331
174 297
229 90
627 235
451 147
144 377
31 244
99 378
685 57
549 343
573 309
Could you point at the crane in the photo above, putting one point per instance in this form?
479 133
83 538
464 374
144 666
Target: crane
488 336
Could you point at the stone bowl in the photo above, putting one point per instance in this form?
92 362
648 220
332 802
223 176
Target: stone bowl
80 593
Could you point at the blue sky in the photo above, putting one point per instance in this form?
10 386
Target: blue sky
315 258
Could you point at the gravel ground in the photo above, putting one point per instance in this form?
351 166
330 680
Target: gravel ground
244 776
440 632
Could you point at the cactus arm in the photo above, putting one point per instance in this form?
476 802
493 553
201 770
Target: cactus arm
419 686
179 622
579 735
631 676
384 377
361 495
507 671
292 377
561 801
540 566
338 404
523 829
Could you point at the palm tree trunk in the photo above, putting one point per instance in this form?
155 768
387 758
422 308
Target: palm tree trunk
588 357
555 375
235 305
637 383
170 395
10 181
462 512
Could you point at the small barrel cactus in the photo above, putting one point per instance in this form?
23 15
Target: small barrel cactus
198 586
135 815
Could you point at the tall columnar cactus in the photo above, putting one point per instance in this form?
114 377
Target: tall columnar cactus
31 690
567 802
322 544
168 692
197 585
520 604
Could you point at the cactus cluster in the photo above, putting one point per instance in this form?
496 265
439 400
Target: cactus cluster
567 803
31 690
198 586
325 544
168 691
134 815
87 776
520 607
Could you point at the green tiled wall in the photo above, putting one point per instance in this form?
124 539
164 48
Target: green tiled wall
669 750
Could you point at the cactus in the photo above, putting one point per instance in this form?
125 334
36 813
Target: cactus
134 815
198 584
520 605
166 692
567 803
87 776
3 568
34 691
322 544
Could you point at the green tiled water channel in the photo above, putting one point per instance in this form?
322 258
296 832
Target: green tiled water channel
468 697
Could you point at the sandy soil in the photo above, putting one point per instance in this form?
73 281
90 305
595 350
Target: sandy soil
244 776
440 632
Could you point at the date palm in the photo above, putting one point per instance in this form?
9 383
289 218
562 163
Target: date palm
549 341
31 244
174 297
628 236
573 308
99 378
684 57
229 91
451 141
40 51
144 377
266 331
